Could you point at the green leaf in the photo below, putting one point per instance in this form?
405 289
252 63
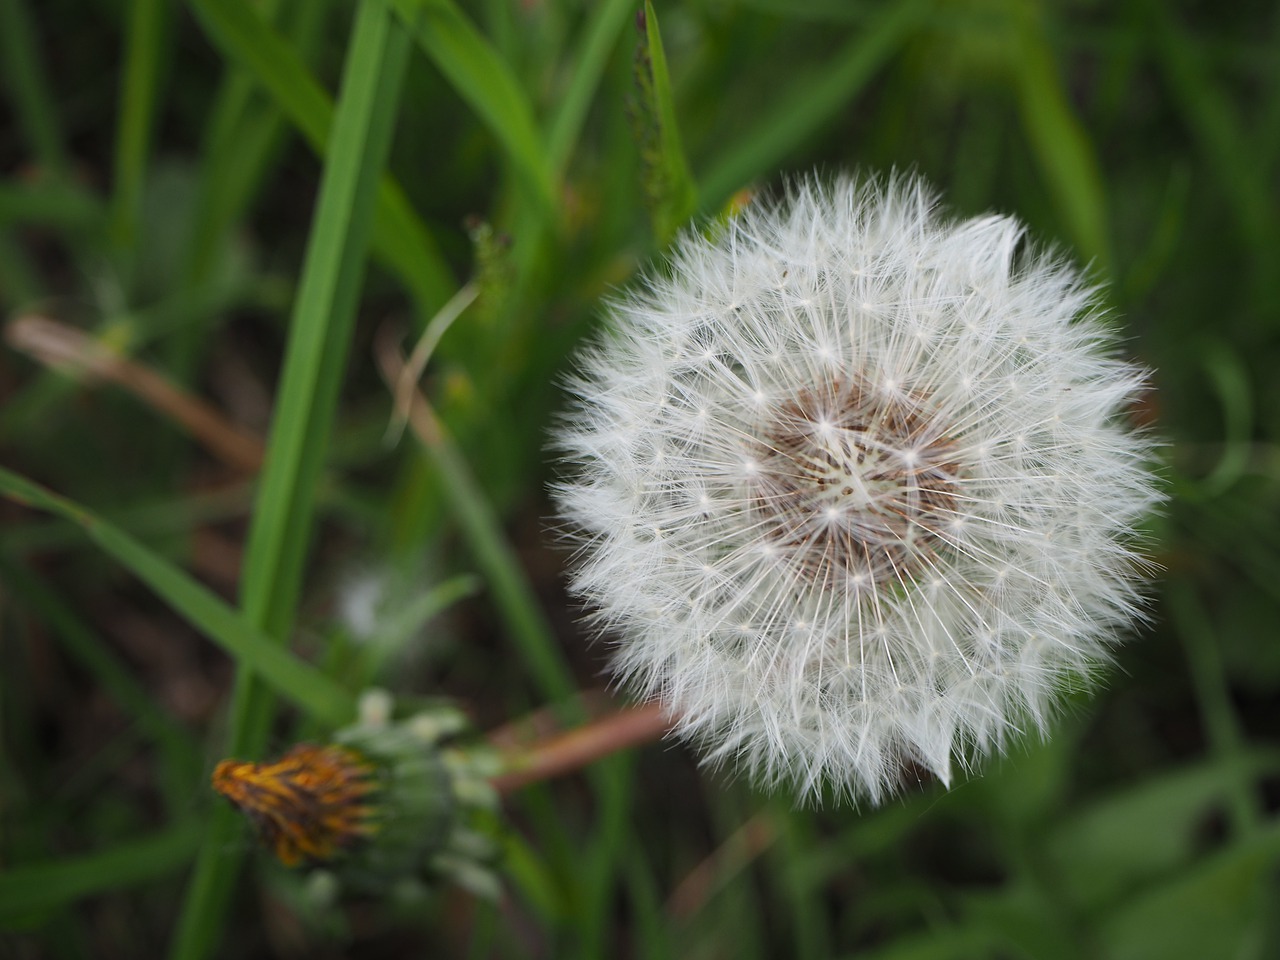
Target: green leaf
1218 909
293 678
1212 118
47 886
32 98
145 49
516 602
809 101
484 81
179 755
49 203
1142 833
667 180
606 22
315 357
1062 148
400 239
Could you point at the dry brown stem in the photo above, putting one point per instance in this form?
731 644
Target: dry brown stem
74 352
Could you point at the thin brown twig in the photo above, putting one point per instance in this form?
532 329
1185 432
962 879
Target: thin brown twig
65 348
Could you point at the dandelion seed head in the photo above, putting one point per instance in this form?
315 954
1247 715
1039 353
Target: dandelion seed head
853 487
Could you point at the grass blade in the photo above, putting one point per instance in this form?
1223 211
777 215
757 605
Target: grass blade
33 101
49 204
809 101
400 239
294 678
143 60
319 336
1062 149
46 886
607 21
668 183
485 82
1212 119
178 751
516 602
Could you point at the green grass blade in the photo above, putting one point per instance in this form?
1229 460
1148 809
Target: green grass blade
673 198
1224 906
320 333
810 101
652 938
1218 713
394 634
239 115
516 602
179 754
485 82
33 101
244 137
248 644
400 238
244 36
1108 846
1211 117
1062 149
145 47
46 886
17 286
603 862
607 20
49 204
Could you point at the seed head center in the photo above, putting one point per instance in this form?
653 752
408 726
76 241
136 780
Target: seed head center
855 483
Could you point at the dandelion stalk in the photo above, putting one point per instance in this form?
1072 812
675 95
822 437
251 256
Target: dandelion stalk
566 752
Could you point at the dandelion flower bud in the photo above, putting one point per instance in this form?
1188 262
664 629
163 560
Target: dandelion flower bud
389 805
311 804
853 486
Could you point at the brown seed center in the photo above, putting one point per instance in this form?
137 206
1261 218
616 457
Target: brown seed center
854 483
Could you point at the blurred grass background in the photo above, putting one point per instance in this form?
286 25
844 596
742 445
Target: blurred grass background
215 215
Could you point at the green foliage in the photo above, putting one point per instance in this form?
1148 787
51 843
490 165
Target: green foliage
212 216
667 181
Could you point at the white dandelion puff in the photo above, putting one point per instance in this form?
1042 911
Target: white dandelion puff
853 487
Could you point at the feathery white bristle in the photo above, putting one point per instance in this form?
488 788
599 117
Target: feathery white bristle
853 486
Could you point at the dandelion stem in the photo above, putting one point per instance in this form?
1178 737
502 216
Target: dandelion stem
566 752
